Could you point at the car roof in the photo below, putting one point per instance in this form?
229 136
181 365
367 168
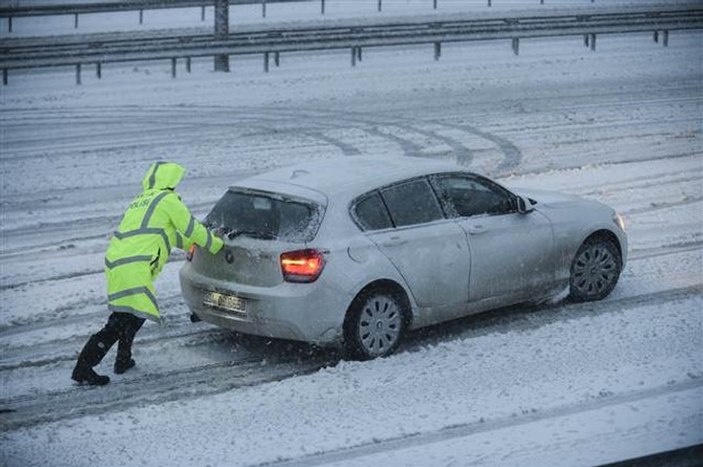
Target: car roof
352 176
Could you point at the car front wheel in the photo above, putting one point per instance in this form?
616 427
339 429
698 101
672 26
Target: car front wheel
374 325
595 270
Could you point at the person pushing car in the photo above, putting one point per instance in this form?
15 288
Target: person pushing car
155 221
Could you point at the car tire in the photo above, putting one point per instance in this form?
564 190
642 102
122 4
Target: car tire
595 270
374 325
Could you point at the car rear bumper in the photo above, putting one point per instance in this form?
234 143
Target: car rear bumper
304 312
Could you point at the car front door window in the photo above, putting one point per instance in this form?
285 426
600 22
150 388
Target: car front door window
466 197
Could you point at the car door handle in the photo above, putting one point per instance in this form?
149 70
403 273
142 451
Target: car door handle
395 241
476 229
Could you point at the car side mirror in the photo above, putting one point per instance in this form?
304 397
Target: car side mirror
524 205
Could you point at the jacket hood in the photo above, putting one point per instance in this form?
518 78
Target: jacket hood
162 175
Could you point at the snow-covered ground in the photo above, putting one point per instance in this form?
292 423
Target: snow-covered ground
566 384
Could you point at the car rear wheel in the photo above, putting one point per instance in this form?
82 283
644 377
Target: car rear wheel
595 270
374 326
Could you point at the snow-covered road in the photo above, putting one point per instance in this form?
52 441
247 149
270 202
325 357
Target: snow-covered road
561 383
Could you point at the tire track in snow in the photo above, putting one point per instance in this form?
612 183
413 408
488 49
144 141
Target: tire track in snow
408 147
60 277
660 206
155 388
566 168
650 181
67 350
483 426
370 124
49 320
511 153
56 347
214 378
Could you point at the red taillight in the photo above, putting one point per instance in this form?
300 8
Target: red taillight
191 252
302 265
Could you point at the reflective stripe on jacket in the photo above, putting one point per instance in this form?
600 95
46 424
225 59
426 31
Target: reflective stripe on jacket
154 222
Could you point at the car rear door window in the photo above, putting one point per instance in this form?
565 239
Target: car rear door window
465 196
412 202
371 213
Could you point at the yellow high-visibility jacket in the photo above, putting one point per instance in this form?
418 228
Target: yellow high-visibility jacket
154 222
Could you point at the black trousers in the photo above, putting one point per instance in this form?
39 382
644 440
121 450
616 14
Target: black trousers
120 327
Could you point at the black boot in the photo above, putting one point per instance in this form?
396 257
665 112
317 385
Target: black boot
88 376
92 353
123 365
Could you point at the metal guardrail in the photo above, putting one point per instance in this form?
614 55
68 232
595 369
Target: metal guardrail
81 8
106 48
38 9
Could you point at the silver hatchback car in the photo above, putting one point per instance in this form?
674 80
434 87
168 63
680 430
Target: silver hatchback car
354 251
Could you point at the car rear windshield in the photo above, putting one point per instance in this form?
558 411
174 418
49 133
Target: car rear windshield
265 215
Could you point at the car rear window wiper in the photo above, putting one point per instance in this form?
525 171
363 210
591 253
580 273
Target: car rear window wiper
233 233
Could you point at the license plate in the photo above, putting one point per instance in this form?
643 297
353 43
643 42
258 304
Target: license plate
225 302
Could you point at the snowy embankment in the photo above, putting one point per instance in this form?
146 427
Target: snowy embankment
562 383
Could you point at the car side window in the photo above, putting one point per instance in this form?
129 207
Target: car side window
371 213
412 202
467 196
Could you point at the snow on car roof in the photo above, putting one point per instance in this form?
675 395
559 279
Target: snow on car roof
352 175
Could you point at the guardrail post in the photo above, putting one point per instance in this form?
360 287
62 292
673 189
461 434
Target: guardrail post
593 42
141 16
263 8
353 56
78 73
75 21
489 2
222 32
656 36
322 7
9 23
277 59
99 70
266 62
437 50
585 40
665 39
358 54
173 67
434 4
541 2
516 45
380 5
4 76
202 13
188 67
